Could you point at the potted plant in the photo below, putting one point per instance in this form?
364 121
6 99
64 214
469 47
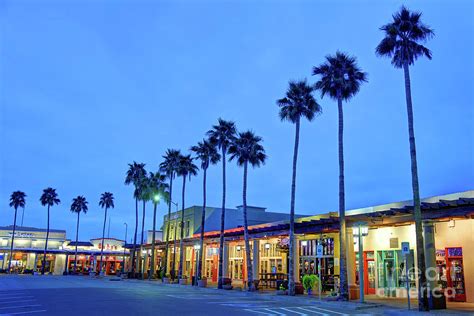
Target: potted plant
309 282
202 282
183 281
282 289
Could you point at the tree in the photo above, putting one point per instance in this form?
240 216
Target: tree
340 79
298 103
168 167
158 190
403 43
186 168
48 198
207 153
222 134
106 201
247 149
134 175
17 199
144 197
79 204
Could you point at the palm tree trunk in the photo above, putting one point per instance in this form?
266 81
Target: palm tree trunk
291 268
251 286
173 270
181 244
168 226
344 288
22 215
102 246
77 239
45 245
203 222
134 253
13 240
152 263
141 262
420 252
221 238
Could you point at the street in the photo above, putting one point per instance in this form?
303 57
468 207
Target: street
70 295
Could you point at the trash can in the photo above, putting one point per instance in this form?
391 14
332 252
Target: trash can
437 299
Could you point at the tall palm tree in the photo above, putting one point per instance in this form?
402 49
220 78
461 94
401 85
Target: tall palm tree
134 175
106 201
168 167
297 104
207 153
144 197
340 79
403 43
186 169
48 198
158 191
222 134
247 149
17 199
79 204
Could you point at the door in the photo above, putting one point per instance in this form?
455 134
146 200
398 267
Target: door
214 268
369 272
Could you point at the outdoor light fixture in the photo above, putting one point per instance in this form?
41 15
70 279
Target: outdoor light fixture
364 230
156 198
304 243
267 246
144 252
238 248
197 247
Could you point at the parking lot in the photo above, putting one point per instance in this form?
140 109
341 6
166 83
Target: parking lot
58 295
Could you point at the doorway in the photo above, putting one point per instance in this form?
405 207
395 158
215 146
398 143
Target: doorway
369 272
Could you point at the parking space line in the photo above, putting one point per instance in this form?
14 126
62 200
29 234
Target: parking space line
328 310
258 312
12 297
28 312
309 310
292 311
274 311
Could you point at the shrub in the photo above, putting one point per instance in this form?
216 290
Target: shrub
310 281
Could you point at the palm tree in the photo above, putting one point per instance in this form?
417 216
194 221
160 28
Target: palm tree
186 169
48 198
341 79
207 153
168 167
17 199
134 175
247 149
144 197
158 190
403 43
222 134
106 201
298 103
79 204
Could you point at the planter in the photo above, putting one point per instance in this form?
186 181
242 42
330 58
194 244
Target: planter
310 291
166 280
183 281
202 283
281 292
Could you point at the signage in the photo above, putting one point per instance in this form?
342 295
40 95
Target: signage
319 251
20 235
405 248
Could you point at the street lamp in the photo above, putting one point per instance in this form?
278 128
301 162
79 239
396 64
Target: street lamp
197 247
359 231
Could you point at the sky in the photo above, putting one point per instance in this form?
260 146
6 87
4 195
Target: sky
87 87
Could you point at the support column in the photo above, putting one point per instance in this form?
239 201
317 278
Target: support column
296 261
225 261
256 259
350 264
430 256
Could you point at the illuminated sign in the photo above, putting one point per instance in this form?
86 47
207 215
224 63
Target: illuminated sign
21 235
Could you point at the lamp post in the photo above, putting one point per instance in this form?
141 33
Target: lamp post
125 242
359 232
197 247
174 239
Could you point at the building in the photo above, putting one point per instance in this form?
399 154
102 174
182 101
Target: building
28 252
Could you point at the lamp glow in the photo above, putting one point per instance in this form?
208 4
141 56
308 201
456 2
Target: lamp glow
304 243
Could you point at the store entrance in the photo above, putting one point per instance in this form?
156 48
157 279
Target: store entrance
455 274
369 272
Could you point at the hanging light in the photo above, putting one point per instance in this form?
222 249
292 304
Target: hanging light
304 243
267 246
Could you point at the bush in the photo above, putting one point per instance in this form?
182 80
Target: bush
310 281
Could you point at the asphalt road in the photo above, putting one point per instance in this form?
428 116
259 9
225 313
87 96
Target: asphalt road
51 295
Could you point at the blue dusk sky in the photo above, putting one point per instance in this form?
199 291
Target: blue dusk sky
90 86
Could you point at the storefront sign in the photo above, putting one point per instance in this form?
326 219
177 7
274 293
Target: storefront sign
319 251
21 235
405 248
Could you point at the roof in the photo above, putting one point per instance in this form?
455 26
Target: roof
32 229
121 240
80 244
